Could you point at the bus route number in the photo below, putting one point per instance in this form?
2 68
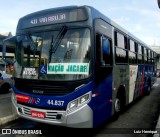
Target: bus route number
55 102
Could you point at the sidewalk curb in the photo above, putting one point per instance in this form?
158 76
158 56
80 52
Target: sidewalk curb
5 120
158 123
157 128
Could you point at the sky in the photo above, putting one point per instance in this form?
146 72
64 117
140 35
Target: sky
139 17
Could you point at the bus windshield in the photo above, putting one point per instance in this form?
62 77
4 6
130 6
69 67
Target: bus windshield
53 55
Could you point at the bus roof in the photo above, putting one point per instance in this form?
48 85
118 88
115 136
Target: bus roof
52 16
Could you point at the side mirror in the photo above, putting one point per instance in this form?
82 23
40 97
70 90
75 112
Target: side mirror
8 50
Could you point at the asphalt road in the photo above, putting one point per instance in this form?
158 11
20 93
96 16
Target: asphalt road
140 116
5 99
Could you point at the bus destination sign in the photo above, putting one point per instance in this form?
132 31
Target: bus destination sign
48 19
68 68
52 17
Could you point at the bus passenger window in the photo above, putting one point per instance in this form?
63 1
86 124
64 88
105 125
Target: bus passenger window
121 56
132 52
103 50
140 57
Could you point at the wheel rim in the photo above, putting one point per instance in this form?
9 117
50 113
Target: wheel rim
117 105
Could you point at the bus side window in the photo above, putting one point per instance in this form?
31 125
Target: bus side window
106 52
103 50
121 56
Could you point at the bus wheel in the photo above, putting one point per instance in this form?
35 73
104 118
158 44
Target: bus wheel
117 105
148 90
149 86
117 109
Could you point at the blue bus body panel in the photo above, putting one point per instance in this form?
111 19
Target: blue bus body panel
101 105
145 77
50 102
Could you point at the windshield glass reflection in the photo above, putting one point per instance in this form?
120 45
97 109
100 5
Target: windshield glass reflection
53 56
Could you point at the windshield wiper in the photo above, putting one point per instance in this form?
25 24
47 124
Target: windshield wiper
32 46
32 43
57 41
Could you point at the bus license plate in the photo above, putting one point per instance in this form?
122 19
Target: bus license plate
37 114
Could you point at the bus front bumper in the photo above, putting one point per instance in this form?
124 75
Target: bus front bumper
80 118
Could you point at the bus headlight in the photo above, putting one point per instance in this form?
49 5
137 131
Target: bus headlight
84 99
72 105
79 102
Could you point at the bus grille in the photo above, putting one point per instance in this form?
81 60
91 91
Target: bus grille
44 88
49 115
60 91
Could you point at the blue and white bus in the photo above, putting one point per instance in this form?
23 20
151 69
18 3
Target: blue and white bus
75 67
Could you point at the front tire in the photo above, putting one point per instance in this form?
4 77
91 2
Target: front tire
117 109
117 105
149 86
148 90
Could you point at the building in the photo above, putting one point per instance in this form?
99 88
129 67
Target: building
157 50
